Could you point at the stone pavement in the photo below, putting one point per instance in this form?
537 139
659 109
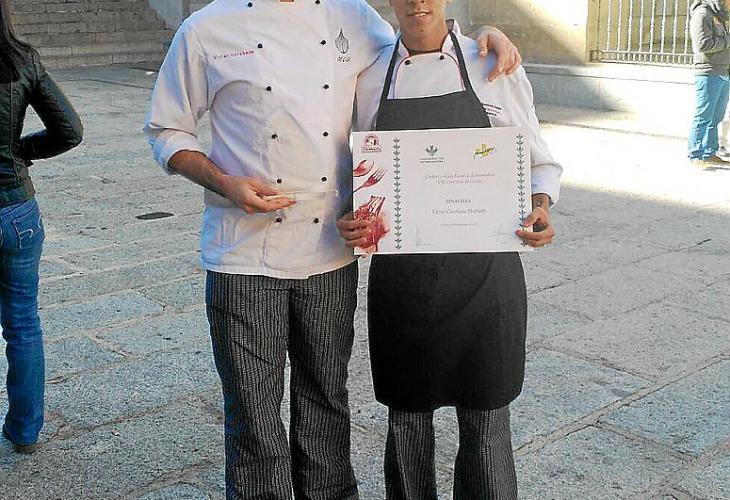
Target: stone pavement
628 376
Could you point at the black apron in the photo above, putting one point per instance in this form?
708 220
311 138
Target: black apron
445 329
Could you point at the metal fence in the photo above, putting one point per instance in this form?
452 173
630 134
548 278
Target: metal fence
644 32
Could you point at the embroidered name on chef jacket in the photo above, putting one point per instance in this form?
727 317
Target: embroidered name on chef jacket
492 109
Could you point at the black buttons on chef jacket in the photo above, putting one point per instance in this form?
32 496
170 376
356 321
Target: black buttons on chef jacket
274 136
326 134
261 45
278 220
442 57
408 62
279 181
324 179
326 86
323 42
268 88
316 221
250 4
318 2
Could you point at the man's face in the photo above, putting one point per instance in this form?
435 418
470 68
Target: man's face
417 17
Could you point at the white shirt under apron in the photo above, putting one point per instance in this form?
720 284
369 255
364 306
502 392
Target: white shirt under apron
278 80
508 100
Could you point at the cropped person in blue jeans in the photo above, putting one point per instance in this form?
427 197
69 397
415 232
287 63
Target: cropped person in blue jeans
710 35
24 82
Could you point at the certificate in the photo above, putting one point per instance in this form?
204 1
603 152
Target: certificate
442 191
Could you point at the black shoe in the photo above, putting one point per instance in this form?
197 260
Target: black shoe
20 448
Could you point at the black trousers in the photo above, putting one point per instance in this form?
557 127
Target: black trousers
254 322
484 468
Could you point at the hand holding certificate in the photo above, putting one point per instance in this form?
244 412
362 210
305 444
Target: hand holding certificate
442 191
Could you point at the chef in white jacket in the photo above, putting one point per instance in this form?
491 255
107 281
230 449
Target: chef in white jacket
278 81
448 329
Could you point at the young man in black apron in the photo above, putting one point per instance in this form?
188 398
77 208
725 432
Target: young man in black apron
449 329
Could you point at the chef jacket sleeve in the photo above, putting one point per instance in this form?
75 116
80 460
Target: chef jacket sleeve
369 90
379 38
520 112
379 34
179 99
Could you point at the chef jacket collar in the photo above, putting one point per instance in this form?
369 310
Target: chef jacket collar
445 48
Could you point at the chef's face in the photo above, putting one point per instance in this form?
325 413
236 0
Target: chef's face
419 17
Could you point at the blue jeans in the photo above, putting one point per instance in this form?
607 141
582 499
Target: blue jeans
712 98
21 244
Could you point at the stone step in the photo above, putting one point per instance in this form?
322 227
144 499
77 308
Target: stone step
150 59
54 29
91 32
70 22
101 54
39 7
68 39
101 49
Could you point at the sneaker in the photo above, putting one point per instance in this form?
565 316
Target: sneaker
20 448
716 160
723 152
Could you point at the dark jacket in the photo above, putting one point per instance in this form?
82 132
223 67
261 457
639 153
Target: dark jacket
710 37
63 129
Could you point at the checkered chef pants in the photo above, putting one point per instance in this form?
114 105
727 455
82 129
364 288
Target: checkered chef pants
254 322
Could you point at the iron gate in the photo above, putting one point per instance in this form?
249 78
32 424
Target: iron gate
644 31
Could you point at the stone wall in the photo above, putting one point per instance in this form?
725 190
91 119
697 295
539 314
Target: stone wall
546 31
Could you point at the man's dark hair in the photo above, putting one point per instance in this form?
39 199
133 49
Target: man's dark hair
14 53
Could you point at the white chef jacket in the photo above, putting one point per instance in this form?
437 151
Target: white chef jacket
278 80
508 100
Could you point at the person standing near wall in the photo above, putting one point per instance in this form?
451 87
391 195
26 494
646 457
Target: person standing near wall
448 329
278 79
711 46
24 82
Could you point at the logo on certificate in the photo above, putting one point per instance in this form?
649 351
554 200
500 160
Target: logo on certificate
431 159
483 151
371 144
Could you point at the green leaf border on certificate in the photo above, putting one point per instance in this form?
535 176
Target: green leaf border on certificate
397 199
521 180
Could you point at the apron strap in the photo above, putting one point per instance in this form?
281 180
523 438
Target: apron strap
462 63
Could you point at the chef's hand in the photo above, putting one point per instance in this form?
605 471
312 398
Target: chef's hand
246 193
508 56
354 232
249 195
543 231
